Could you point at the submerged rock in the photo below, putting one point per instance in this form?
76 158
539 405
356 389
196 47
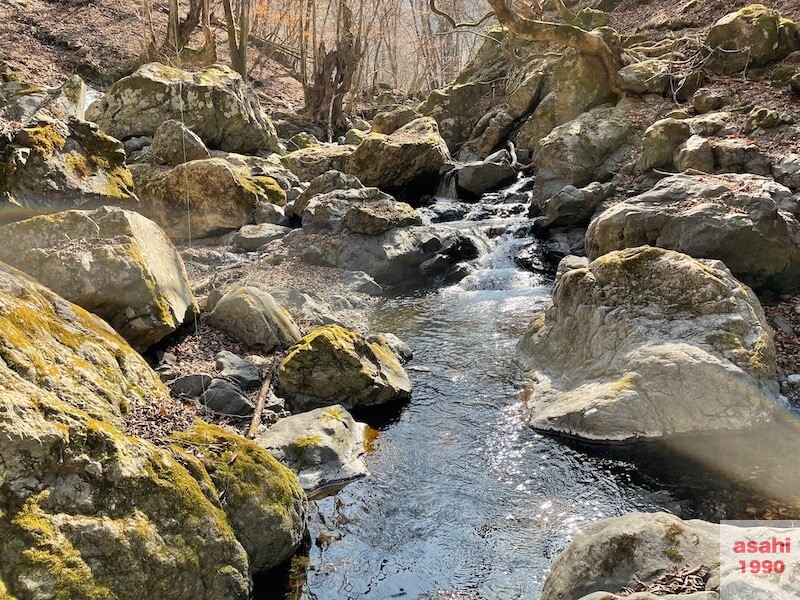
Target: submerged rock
614 553
746 221
648 343
214 103
112 262
332 365
252 316
325 447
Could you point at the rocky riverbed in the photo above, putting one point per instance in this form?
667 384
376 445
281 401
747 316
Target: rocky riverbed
527 344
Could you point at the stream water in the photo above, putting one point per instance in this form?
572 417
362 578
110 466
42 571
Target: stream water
463 499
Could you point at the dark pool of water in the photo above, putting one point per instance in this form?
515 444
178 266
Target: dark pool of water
464 497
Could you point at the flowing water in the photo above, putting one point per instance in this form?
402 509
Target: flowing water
462 496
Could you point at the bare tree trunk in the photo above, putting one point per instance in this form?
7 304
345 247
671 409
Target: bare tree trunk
238 36
333 75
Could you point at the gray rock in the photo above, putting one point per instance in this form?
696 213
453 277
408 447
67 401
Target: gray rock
214 103
740 156
252 316
572 207
695 153
393 343
587 149
645 77
325 447
310 163
335 366
226 398
411 154
327 182
610 554
706 100
390 121
112 262
478 178
174 144
267 213
238 370
619 356
190 386
307 308
660 141
786 170
746 221
358 281
252 237
570 263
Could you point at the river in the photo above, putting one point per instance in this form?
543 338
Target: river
464 500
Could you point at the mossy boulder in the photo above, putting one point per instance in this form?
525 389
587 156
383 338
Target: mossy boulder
414 153
51 165
112 262
23 102
722 217
332 365
82 502
591 18
455 109
309 163
645 77
572 86
262 499
388 122
648 343
753 35
252 316
379 216
203 197
614 553
213 102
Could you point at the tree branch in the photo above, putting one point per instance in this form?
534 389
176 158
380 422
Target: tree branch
456 24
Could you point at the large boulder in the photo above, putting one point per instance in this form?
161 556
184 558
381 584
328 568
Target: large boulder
327 182
477 178
51 165
262 499
753 35
614 553
649 343
455 110
203 197
414 153
366 211
325 447
393 257
576 84
390 121
252 316
21 101
332 365
82 499
748 222
590 148
309 163
112 262
214 103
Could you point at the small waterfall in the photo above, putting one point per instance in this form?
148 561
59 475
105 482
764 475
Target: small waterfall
446 190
